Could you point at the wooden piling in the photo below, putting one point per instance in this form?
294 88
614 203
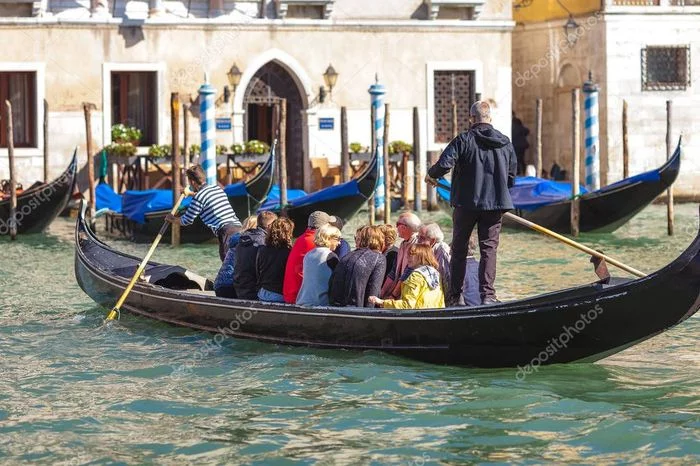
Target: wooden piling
46 141
283 152
433 157
669 152
417 179
344 147
538 136
12 220
576 158
387 165
186 135
87 110
373 149
625 143
175 173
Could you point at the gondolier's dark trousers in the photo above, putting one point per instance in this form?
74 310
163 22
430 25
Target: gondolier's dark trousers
488 224
224 235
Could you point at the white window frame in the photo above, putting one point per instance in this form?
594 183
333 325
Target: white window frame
470 65
39 69
107 69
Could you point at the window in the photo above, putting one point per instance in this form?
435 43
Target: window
20 89
309 9
134 102
449 85
665 68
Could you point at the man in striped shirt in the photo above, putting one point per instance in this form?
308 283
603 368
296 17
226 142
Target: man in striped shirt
211 205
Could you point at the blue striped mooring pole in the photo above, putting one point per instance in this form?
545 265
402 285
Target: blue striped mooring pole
377 92
207 129
590 89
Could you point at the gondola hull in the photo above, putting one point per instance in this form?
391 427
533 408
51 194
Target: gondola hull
586 323
257 190
38 207
601 211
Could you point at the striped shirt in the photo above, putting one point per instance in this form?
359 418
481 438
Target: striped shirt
212 206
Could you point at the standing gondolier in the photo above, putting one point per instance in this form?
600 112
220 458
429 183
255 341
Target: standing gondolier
211 204
484 167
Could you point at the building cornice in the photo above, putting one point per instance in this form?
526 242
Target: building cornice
272 24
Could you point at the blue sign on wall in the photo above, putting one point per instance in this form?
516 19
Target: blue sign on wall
326 123
223 124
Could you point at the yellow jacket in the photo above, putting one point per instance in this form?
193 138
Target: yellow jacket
416 293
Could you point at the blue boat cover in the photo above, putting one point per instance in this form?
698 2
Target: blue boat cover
529 192
351 188
106 198
136 204
273 198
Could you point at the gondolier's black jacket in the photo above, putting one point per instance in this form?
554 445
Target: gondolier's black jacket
484 165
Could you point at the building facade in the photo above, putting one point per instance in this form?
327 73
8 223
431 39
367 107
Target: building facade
643 52
127 57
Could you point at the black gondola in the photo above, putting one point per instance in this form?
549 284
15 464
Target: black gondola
601 211
343 200
39 205
256 190
585 323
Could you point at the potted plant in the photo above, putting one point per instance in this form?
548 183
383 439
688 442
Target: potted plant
125 140
356 148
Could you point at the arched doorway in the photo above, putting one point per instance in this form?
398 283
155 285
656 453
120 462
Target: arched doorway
268 85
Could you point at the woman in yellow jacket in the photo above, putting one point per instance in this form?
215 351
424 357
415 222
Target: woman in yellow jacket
420 285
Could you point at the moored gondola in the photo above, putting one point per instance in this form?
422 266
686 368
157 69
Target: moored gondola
601 211
39 205
245 198
343 200
584 323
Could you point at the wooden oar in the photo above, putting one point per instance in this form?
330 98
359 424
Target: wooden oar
574 244
115 310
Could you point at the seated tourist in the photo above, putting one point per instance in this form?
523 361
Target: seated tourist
360 273
390 250
318 266
407 226
343 247
294 270
420 286
432 235
244 279
223 283
272 260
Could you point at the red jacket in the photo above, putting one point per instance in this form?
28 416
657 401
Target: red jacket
294 270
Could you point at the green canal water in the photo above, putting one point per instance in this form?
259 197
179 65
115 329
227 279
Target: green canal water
139 392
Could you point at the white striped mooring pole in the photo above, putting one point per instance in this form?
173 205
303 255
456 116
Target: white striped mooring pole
377 92
207 129
590 89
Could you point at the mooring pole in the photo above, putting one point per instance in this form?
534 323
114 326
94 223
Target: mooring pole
175 169
387 172
344 149
373 150
283 152
46 141
625 143
575 165
669 153
87 110
538 136
13 181
417 180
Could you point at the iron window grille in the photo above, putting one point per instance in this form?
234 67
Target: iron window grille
665 68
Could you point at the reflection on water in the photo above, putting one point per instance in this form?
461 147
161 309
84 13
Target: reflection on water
74 392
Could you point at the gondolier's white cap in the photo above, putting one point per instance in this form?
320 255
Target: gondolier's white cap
319 218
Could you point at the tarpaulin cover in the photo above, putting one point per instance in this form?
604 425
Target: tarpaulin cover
236 189
106 198
273 198
529 192
351 188
136 204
